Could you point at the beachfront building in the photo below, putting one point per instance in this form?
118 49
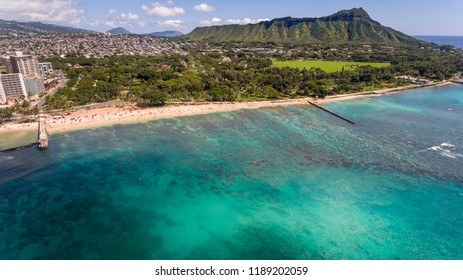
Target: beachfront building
8 66
2 94
30 69
27 65
13 86
45 69
34 86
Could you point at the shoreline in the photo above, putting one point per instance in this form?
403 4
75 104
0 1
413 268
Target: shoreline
14 136
109 116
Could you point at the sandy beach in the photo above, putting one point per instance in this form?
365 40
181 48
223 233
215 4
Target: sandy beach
87 119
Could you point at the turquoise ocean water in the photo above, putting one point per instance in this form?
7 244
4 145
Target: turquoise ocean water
277 183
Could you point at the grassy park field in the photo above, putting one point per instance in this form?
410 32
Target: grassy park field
327 66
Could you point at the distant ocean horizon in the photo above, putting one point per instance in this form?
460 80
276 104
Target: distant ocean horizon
456 41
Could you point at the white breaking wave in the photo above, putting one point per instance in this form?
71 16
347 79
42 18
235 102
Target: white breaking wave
6 158
447 145
444 150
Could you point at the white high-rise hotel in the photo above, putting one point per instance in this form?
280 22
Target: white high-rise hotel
22 69
2 95
27 65
12 87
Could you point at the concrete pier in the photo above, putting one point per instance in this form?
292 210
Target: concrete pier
331 112
43 134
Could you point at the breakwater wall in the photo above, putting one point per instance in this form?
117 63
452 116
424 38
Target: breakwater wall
332 113
43 134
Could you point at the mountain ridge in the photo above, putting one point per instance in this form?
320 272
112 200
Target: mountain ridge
11 26
8 27
167 33
119 31
346 26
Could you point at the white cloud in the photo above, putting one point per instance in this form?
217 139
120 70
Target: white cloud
130 16
162 10
94 23
41 10
112 24
113 15
213 21
204 8
114 19
246 20
174 23
216 20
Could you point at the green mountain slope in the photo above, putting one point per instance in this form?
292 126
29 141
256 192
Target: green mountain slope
347 26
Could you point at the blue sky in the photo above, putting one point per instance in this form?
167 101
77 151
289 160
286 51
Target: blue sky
424 17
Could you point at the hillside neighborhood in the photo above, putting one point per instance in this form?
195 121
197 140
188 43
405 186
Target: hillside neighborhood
95 45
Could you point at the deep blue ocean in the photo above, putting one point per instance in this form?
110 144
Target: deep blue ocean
456 41
276 183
